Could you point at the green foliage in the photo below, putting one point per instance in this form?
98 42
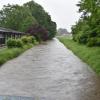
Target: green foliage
19 43
16 47
43 18
24 39
91 55
29 21
28 39
10 53
91 42
31 39
16 17
98 41
14 43
21 18
88 26
11 43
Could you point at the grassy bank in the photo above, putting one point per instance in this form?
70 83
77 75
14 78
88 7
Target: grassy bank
91 55
10 53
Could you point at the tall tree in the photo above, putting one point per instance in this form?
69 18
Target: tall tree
23 17
42 17
87 29
16 17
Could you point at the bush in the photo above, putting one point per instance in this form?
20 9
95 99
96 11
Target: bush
31 39
91 42
19 43
82 39
28 39
13 43
98 41
24 40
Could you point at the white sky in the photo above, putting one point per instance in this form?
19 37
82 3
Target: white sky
63 12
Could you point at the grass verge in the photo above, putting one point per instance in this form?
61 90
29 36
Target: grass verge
10 53
91 55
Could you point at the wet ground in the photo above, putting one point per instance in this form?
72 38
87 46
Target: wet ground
49 72
16 98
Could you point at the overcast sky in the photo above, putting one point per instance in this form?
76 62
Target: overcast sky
63 12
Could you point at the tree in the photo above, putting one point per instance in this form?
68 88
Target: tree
88 25
16 17
39 32
42 17
22 18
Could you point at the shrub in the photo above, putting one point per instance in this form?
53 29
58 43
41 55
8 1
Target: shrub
31 39
82 39
19 43
98 41
91 42
36 42
28 39
24 39
11 43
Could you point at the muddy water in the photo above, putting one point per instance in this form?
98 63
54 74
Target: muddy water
49 72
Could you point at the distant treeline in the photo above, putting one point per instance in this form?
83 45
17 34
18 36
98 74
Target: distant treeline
30 18
87 29
62 31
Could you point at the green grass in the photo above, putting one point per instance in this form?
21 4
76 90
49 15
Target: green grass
10 53
90 55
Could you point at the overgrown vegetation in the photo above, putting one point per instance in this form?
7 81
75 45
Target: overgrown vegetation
19 43
91 55
28 40
87 29
26 17
15 47
30 18
10 53
42 17
14 43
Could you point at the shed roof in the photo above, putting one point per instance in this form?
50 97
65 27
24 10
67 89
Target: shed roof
10 31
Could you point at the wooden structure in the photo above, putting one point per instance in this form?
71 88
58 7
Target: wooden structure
8 33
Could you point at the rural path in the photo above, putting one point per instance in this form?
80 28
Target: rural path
49 72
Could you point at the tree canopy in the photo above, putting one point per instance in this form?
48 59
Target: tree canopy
87 29
24 17
16 17
42 17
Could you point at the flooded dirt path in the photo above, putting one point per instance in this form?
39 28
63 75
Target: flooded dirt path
49 72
